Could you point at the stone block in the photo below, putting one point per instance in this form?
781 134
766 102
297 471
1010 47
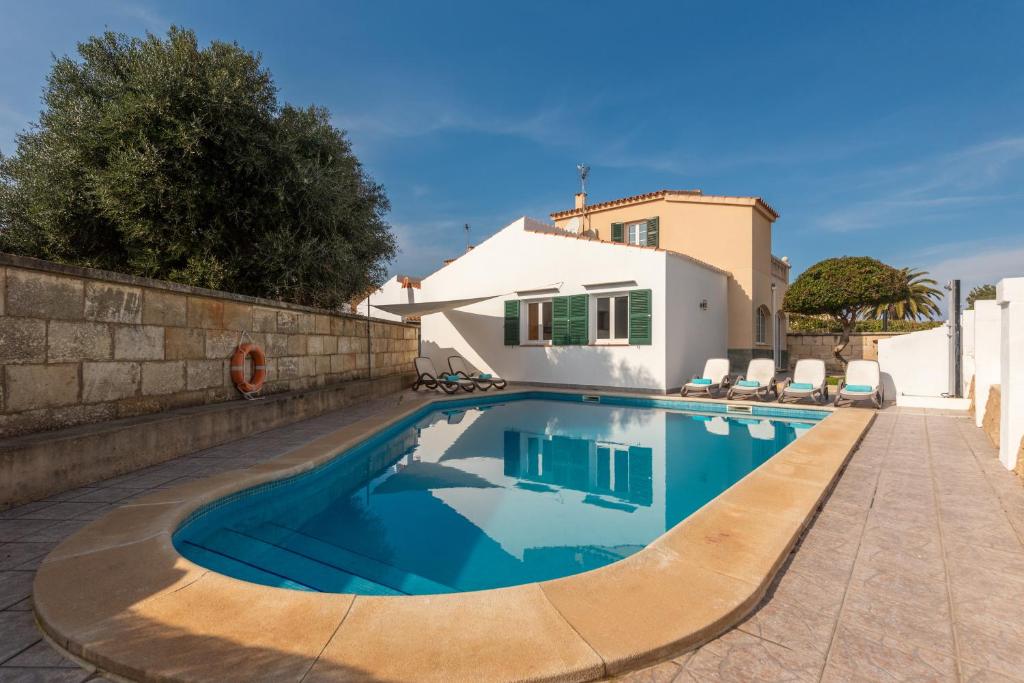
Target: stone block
322 324
204 374
314 345
208 313
166 377
287 321
103 382
139 342
22 340
40 295
184 343
3 289
297 344
106 302
287 367
164 308
264 319
237 316
275 344
221 343
70 342
323 365
307 323
307 366
330 344
30 387
337 326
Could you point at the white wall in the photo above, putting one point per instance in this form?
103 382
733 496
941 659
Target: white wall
966 351
391 292
1010 297
987 320
515 260
693 334
915 364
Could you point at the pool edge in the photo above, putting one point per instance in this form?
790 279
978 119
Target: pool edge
580 627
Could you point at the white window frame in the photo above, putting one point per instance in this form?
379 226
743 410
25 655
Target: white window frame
639 225
611 341
525 323
761 321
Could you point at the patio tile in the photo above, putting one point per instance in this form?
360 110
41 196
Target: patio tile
659 673
17 633
816 592
43 675
882 658
910 622
792 625
41 655
63 511
739 656
15 586
17 529
18 553
970 673
996 649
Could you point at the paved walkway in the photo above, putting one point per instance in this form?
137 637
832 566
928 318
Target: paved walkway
913 570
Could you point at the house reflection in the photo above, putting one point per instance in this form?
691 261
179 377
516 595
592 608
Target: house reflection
611 472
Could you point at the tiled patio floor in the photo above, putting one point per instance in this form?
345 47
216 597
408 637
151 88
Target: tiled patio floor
913 570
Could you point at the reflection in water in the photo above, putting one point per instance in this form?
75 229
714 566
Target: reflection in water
462 500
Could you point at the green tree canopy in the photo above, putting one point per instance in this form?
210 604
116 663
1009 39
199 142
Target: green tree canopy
922 302
980 293
842 288
159 158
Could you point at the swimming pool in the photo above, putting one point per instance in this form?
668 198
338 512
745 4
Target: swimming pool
486 493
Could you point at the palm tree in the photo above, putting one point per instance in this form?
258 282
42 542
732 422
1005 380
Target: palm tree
923 302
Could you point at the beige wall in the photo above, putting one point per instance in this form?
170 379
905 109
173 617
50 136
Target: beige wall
80 346
863 346
736 237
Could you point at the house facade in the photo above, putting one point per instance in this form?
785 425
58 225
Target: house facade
731 233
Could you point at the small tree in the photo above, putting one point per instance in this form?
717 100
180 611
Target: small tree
842 288
981 293
161 158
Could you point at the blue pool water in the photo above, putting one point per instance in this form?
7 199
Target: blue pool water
486 495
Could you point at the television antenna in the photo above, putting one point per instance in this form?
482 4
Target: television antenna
584 171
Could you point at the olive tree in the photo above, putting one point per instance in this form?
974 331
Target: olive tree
842 288
157 157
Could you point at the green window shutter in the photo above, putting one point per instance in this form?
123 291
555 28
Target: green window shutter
640 317
560 321
652 232
618 233
579 328
512 323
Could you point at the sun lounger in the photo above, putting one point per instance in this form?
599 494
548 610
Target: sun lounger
808 381
427 377
863 382
483 381
710 382
759 382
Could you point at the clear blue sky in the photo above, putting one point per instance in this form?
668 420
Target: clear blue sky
892 129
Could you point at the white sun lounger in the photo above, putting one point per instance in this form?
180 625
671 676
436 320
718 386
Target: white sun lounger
759 382
716 370
459 366
808 381
863 382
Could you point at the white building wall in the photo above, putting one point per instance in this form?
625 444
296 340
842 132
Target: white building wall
694 334
1010 298
391 292
966 351
515 261
987 356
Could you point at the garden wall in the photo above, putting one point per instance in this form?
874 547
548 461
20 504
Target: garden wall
862 346
81 346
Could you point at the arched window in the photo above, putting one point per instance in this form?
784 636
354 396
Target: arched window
761 325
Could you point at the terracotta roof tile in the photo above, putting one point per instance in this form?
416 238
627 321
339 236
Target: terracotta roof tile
648 196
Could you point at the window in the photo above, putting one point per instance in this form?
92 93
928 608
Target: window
613 318
761 325
538 321
637 233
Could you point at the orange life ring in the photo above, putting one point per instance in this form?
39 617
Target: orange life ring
259 367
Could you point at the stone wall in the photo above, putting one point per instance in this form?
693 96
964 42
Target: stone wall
80 346
862 346
993 415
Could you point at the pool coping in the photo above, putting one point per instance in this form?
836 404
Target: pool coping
118 596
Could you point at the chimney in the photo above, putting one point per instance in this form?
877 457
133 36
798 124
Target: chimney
581 200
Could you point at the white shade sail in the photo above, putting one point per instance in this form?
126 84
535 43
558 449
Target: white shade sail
428 307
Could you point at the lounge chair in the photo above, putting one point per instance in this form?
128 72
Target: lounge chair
759 382
808 381
426 376
483 381
863 382
711 381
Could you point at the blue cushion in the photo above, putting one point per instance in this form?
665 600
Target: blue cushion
484 375
700 380
452 378
749 383
805 386
859 388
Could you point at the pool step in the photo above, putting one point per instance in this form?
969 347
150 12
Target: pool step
276 561
356 563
